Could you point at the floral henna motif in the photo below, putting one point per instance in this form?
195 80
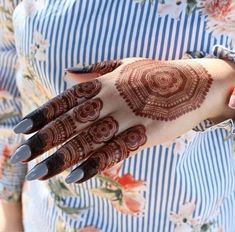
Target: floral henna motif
80 147
119 148
163 90
63 128
88 89
62 103
88 111
103 130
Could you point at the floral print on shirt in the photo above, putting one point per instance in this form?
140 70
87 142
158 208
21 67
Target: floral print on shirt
6 26
124 192
220 13
185 222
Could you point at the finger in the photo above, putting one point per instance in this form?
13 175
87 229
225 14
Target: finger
94 70
60 130
232 100
76 150
223 53
58 106
110 154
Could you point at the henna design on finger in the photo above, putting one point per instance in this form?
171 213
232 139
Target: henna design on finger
100 68
51 135
80 147
88 89
162 90
59 105
89 111
110 154
103 130
120 148
63 128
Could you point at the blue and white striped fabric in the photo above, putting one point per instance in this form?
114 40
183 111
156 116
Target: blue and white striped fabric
85 32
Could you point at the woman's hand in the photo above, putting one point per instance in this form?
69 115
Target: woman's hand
134 104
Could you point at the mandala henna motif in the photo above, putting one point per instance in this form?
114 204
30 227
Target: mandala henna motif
163 90
88 111
119 148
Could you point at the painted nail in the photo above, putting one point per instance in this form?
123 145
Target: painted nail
232 102
75 176
81 69
37 172
23 126
22 153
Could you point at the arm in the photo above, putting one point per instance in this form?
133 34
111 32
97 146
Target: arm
134 104
12 211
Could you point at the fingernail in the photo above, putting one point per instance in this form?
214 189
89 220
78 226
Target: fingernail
75 176
23 126
22 153
232 102
81 69
37 172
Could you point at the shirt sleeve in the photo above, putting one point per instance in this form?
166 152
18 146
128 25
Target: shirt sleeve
11 176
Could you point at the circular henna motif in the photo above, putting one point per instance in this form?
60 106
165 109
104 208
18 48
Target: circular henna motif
89 111
134 137
88 89
103 130
163 90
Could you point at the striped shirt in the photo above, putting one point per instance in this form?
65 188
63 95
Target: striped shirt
185 185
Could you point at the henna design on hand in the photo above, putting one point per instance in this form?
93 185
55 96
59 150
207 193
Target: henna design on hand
80 147
162 90
61 104
89 111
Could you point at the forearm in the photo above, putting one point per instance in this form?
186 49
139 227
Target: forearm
10 217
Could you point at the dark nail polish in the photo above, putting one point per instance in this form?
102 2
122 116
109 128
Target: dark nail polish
81 69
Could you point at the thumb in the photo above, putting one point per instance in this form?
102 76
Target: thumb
223 53
231 103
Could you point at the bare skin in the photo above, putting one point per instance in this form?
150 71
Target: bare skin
14 212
